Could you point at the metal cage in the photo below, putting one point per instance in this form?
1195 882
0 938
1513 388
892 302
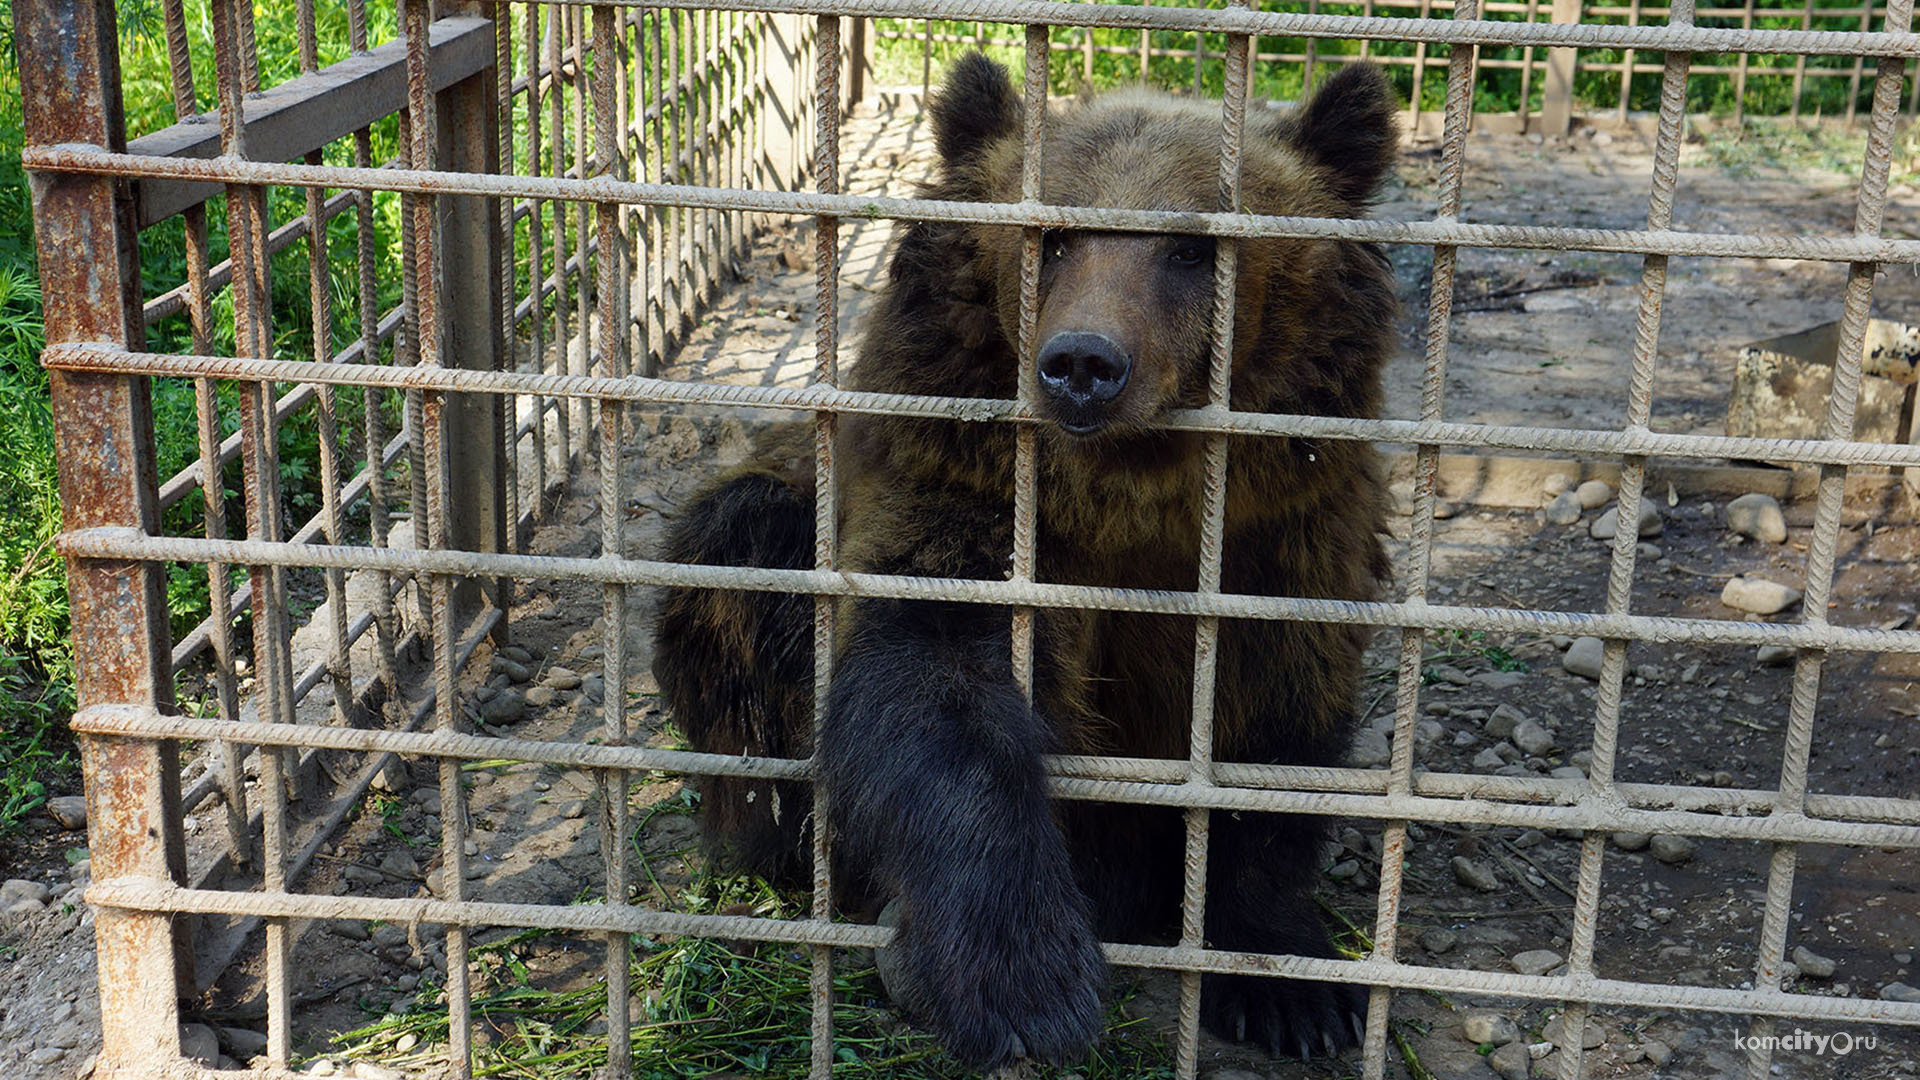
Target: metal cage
687 127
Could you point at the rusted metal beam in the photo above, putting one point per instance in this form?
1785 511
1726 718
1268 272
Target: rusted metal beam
90 272
471 247
308 112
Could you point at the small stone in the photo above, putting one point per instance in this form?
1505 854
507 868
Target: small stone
1481 1028
1557 483
1428 732
1564 509
199 1043
1488 759
18 889
1632 841
244 1043
562 679
1370 748
406 1042
1583 657
1757 517
1511 1061
1504 720
47 1055
1775 655
1567 772
1531 838
400 863
509 707
574 810
367 1070
512 669
593 687
1649 552
1498 681
1607 525
69 810
516 654
1344 869
1474 875
1556 1033
1903 958
321 1067
1593 494
1899 991
539 697
1447 673
1439 940
352 930
1812 964
1657 1052
1535 961
1672 849
1758 595
390 935
1533 738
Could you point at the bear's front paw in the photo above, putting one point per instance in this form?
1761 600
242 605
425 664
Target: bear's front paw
1002 980
1285 1016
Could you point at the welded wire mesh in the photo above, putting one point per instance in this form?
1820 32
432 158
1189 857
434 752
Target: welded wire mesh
587 188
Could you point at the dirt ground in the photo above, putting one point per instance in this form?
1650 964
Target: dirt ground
1537 339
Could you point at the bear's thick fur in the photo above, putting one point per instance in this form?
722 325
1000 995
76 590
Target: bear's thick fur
931 756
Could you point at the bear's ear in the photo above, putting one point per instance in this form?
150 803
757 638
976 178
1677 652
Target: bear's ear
1349 128
976 106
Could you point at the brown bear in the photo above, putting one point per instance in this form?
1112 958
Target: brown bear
931 755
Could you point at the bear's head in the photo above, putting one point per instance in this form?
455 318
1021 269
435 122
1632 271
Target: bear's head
1125 318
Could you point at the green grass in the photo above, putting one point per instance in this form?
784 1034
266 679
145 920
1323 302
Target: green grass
702 1008
1769 84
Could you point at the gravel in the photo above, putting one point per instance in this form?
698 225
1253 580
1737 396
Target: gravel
1593 494
1757 517
1583 657
1607 525
1673 850
1511 1061
1481 1028
1758 595
1475 875
69 810
1531 737
1536 961
1812 964
1564 509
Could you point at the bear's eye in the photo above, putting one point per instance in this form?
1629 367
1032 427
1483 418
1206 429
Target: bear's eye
1189 253
1053 246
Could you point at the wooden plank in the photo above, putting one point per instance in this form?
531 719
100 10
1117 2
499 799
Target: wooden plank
308 112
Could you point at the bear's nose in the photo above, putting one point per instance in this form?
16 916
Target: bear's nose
1081 369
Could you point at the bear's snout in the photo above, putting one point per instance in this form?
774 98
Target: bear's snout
1082 373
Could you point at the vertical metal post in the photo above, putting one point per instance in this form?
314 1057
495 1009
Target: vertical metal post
826 555
1556 110
469 247
90 273
1426 468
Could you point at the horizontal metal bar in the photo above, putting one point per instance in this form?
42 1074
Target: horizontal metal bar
307 112
113 543
1303 25
1850 248
1124 780
146 894
1579 441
